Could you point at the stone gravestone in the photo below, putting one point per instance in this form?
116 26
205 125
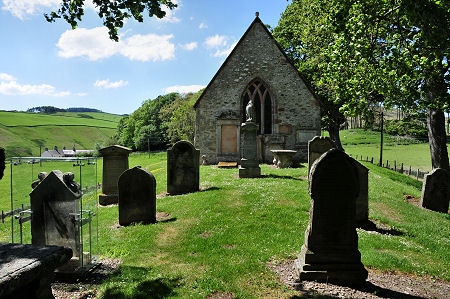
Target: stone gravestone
330 252
436 191
137 196
54 202
316 147
362 201
2 162
115 161
183 168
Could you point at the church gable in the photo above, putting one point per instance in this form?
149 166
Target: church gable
259 70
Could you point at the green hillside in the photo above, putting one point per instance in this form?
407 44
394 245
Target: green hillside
22 133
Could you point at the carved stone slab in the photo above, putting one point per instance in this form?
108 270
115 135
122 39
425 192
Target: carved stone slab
436 190
183 168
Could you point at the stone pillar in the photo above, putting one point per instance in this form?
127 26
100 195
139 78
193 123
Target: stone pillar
330 252
137 196
249 167
436 190
2 162
115 161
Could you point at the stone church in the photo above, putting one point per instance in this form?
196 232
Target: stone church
287 111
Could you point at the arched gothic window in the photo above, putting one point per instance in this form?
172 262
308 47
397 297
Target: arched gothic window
262 102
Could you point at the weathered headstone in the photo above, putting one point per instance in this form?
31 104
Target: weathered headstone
249 167
436 190
137 196
115 161
362 201
330 252
2 162
183 168
53 204
317 147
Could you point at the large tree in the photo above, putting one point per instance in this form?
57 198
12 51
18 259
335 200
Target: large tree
378 51
113 13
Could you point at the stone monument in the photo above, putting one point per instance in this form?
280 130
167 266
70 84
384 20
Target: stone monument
316 147
115 161
330 252
54 203
436 190
249 167
137 196
362 201
183 168
2 162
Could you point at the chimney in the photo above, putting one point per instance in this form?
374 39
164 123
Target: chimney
46 149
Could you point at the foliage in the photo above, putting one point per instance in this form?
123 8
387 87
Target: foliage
406 127
181 115
145 124
113 13
45 109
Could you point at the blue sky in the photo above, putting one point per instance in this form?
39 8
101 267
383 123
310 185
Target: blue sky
45 63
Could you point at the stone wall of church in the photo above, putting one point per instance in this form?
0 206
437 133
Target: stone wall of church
296 113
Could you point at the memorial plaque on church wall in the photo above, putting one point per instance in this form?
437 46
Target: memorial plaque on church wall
115 161
54 203
183 168
330 252
229 139
137 196
436 191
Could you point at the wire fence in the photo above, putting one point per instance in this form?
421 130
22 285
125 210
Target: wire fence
395 166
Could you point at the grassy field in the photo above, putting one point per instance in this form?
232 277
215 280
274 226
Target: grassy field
22 133
223 237
403 150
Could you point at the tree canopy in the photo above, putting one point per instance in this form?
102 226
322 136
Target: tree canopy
113 13
375 51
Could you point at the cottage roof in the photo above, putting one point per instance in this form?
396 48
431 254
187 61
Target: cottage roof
256 20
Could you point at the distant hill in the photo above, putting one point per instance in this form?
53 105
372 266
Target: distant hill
51 109
22 133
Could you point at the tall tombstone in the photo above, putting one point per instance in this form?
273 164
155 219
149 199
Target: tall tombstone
54 201
183 168
2 162
115 161
137 196
362 201
436 190
330 252
249 167
317 147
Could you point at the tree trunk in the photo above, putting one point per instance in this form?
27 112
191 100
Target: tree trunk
333 129
437 139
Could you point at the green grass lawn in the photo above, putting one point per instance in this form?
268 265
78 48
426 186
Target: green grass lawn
223 237
22 133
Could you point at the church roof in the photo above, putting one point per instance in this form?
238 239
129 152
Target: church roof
257 20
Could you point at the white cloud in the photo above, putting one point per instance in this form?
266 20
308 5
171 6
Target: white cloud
108 84
14 88
216 41
21 8
189 46
6 77
183 88
202 26
225 52
95 44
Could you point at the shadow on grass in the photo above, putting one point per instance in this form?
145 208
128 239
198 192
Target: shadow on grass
171 219
284 177
138 285
209 189
372 227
